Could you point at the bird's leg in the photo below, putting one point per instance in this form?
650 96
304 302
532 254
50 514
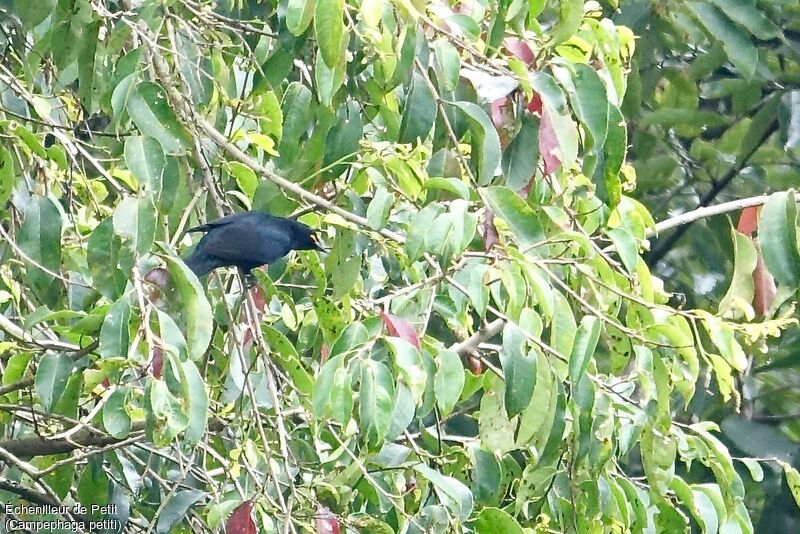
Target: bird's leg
248 278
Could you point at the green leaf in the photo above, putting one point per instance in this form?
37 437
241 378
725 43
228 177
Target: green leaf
452 185
485 155
86 52
341 399
722 335
135 221
521 156
419 112
541 287
793 481
114 334
403 411
564 327
379 208
342 143
7 176
195 396
284 352
352 337
149 109
459 498
735 42
93 486
496 521
777 237
570 13
145 159
299 14
328 79
626 247
496 429
171 335
761 124
321 398
116 420
51 378
614 150
103 259
408 362
196 316
586 339
745 13
329 30
372 11
195 68
466 24
31 14
591 105
177 509
375 400
448 64
536 420
164 413
421 224
449 381
39 238
486 477
246 179
297 111
518 214
740 292
519 370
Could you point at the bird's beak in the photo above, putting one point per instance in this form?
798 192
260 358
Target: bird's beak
317 244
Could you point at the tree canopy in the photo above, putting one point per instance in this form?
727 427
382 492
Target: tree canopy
558 293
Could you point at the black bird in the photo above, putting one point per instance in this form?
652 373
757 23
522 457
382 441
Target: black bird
248 240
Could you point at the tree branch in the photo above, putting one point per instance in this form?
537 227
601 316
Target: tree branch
666 245
709 211
471 343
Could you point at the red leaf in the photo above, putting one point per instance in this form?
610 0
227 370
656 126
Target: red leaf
763 282
324 352
475 365
241 520
549 146
156 362
535 105
326 522
497 112
764 288
489 230
520 49
748 221
258 299
398 327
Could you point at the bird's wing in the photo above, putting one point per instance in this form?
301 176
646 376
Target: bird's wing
245 243
243 217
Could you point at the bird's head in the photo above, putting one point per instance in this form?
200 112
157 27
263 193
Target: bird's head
307 239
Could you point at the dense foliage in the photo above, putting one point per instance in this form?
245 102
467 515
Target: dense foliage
494 341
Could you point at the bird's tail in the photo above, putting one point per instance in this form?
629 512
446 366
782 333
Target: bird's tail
201 264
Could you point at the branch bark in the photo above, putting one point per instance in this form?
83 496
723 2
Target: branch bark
709 211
